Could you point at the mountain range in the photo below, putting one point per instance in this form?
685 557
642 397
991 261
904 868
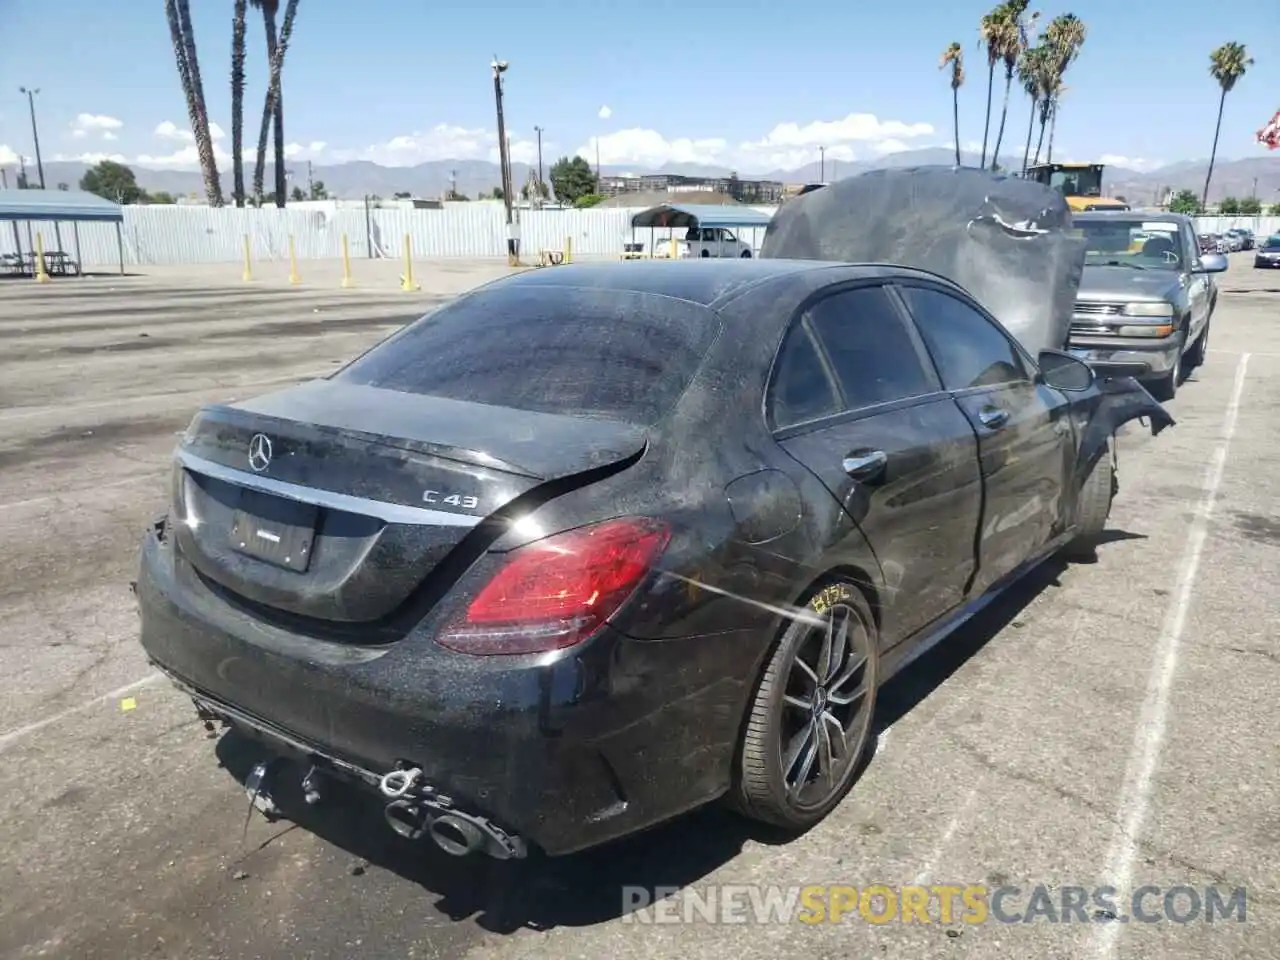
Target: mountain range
1255 176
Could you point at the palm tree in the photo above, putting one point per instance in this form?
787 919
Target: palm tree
1015 38
1031 72
954 56
1227 64
990 31
237 100
274 109
1064 37
184 52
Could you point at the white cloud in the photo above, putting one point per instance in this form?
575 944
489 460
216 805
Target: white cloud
1129 163
443 142
186 157
86 124
298 151
168 130
786 146
8 157
89 158
605 113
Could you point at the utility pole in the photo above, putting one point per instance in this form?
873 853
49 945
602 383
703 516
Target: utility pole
539 132
453 185
311 186
597 163
513 245
35 133
822 164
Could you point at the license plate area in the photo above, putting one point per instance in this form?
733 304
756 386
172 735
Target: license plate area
274 529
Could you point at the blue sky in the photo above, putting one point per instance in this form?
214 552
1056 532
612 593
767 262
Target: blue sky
747 84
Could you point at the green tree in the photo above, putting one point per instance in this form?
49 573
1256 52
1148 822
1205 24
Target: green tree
1015 38
735 186
112 181
63 187
953 56
1227 64
297 196
990 38
1250 207
184 51
572 179
24 182
160 196
1229 206
318 191
1185 201
589 200
1275 210
1064 37
401 195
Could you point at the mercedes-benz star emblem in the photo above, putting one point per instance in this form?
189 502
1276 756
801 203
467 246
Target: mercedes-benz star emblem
260 452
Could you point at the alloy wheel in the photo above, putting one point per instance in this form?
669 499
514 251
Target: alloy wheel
826 716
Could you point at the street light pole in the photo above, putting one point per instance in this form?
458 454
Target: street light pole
539 132
35 133
499 68
822 164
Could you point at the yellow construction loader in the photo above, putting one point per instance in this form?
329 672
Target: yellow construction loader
1080 183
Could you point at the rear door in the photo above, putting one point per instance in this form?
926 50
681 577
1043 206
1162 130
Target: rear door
854 400
1025 437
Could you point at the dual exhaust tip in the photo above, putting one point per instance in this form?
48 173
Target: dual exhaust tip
452 834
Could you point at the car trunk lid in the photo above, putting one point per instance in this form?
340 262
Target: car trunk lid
292 501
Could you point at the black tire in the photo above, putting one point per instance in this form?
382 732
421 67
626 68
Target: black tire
1093 505
1196 355
746 255
1166 388
789 715
706 252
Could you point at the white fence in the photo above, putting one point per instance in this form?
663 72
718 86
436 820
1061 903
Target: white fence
190 234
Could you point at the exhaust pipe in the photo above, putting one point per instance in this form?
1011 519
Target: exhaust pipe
455 835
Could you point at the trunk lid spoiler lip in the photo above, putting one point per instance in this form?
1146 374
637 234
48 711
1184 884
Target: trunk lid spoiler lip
383 510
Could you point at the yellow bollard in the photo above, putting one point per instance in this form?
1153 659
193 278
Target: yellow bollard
293 263
406 281
568 249
675 250
346 264
41 275
248 270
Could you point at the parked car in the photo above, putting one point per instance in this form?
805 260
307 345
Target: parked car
1241 238
589 547
714 242
1268 254
1146 313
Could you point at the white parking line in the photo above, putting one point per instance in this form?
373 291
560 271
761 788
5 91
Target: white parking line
13 736
1135 795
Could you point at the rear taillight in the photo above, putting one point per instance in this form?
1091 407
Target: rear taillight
556 592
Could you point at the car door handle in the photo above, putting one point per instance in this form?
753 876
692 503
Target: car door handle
993 418
864 464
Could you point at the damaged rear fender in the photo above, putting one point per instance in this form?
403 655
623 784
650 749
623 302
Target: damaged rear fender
1116 402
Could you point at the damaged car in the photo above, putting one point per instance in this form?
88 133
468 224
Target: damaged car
588 548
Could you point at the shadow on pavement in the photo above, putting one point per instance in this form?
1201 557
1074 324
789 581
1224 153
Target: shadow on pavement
587 888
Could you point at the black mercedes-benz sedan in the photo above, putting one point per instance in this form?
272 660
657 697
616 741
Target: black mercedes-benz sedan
592 546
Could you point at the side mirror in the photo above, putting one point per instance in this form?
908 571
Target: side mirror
1062 371
1212 263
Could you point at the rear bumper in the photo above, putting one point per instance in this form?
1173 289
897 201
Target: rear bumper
563 752
1128 357
1266 263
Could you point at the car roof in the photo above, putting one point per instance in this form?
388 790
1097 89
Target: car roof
708 282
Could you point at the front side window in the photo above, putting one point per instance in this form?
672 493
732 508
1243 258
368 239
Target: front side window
968 349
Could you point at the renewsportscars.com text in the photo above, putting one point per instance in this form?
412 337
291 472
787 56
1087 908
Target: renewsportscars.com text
936 903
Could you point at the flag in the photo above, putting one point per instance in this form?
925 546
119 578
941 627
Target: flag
1270 134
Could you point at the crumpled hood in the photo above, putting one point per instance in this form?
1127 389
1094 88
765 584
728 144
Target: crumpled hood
1123 283
1006 240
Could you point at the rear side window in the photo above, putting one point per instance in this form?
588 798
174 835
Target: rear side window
609 354
870 349
969 350
801 389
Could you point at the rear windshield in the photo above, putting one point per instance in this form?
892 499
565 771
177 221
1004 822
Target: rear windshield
586 352
1271 243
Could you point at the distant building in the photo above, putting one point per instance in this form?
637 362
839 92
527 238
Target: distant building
746 191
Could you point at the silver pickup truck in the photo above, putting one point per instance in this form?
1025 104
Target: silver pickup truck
1146 298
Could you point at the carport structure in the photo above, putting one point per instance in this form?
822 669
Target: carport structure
56 206
677 216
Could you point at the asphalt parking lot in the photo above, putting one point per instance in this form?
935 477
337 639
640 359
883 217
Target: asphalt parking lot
1112 723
